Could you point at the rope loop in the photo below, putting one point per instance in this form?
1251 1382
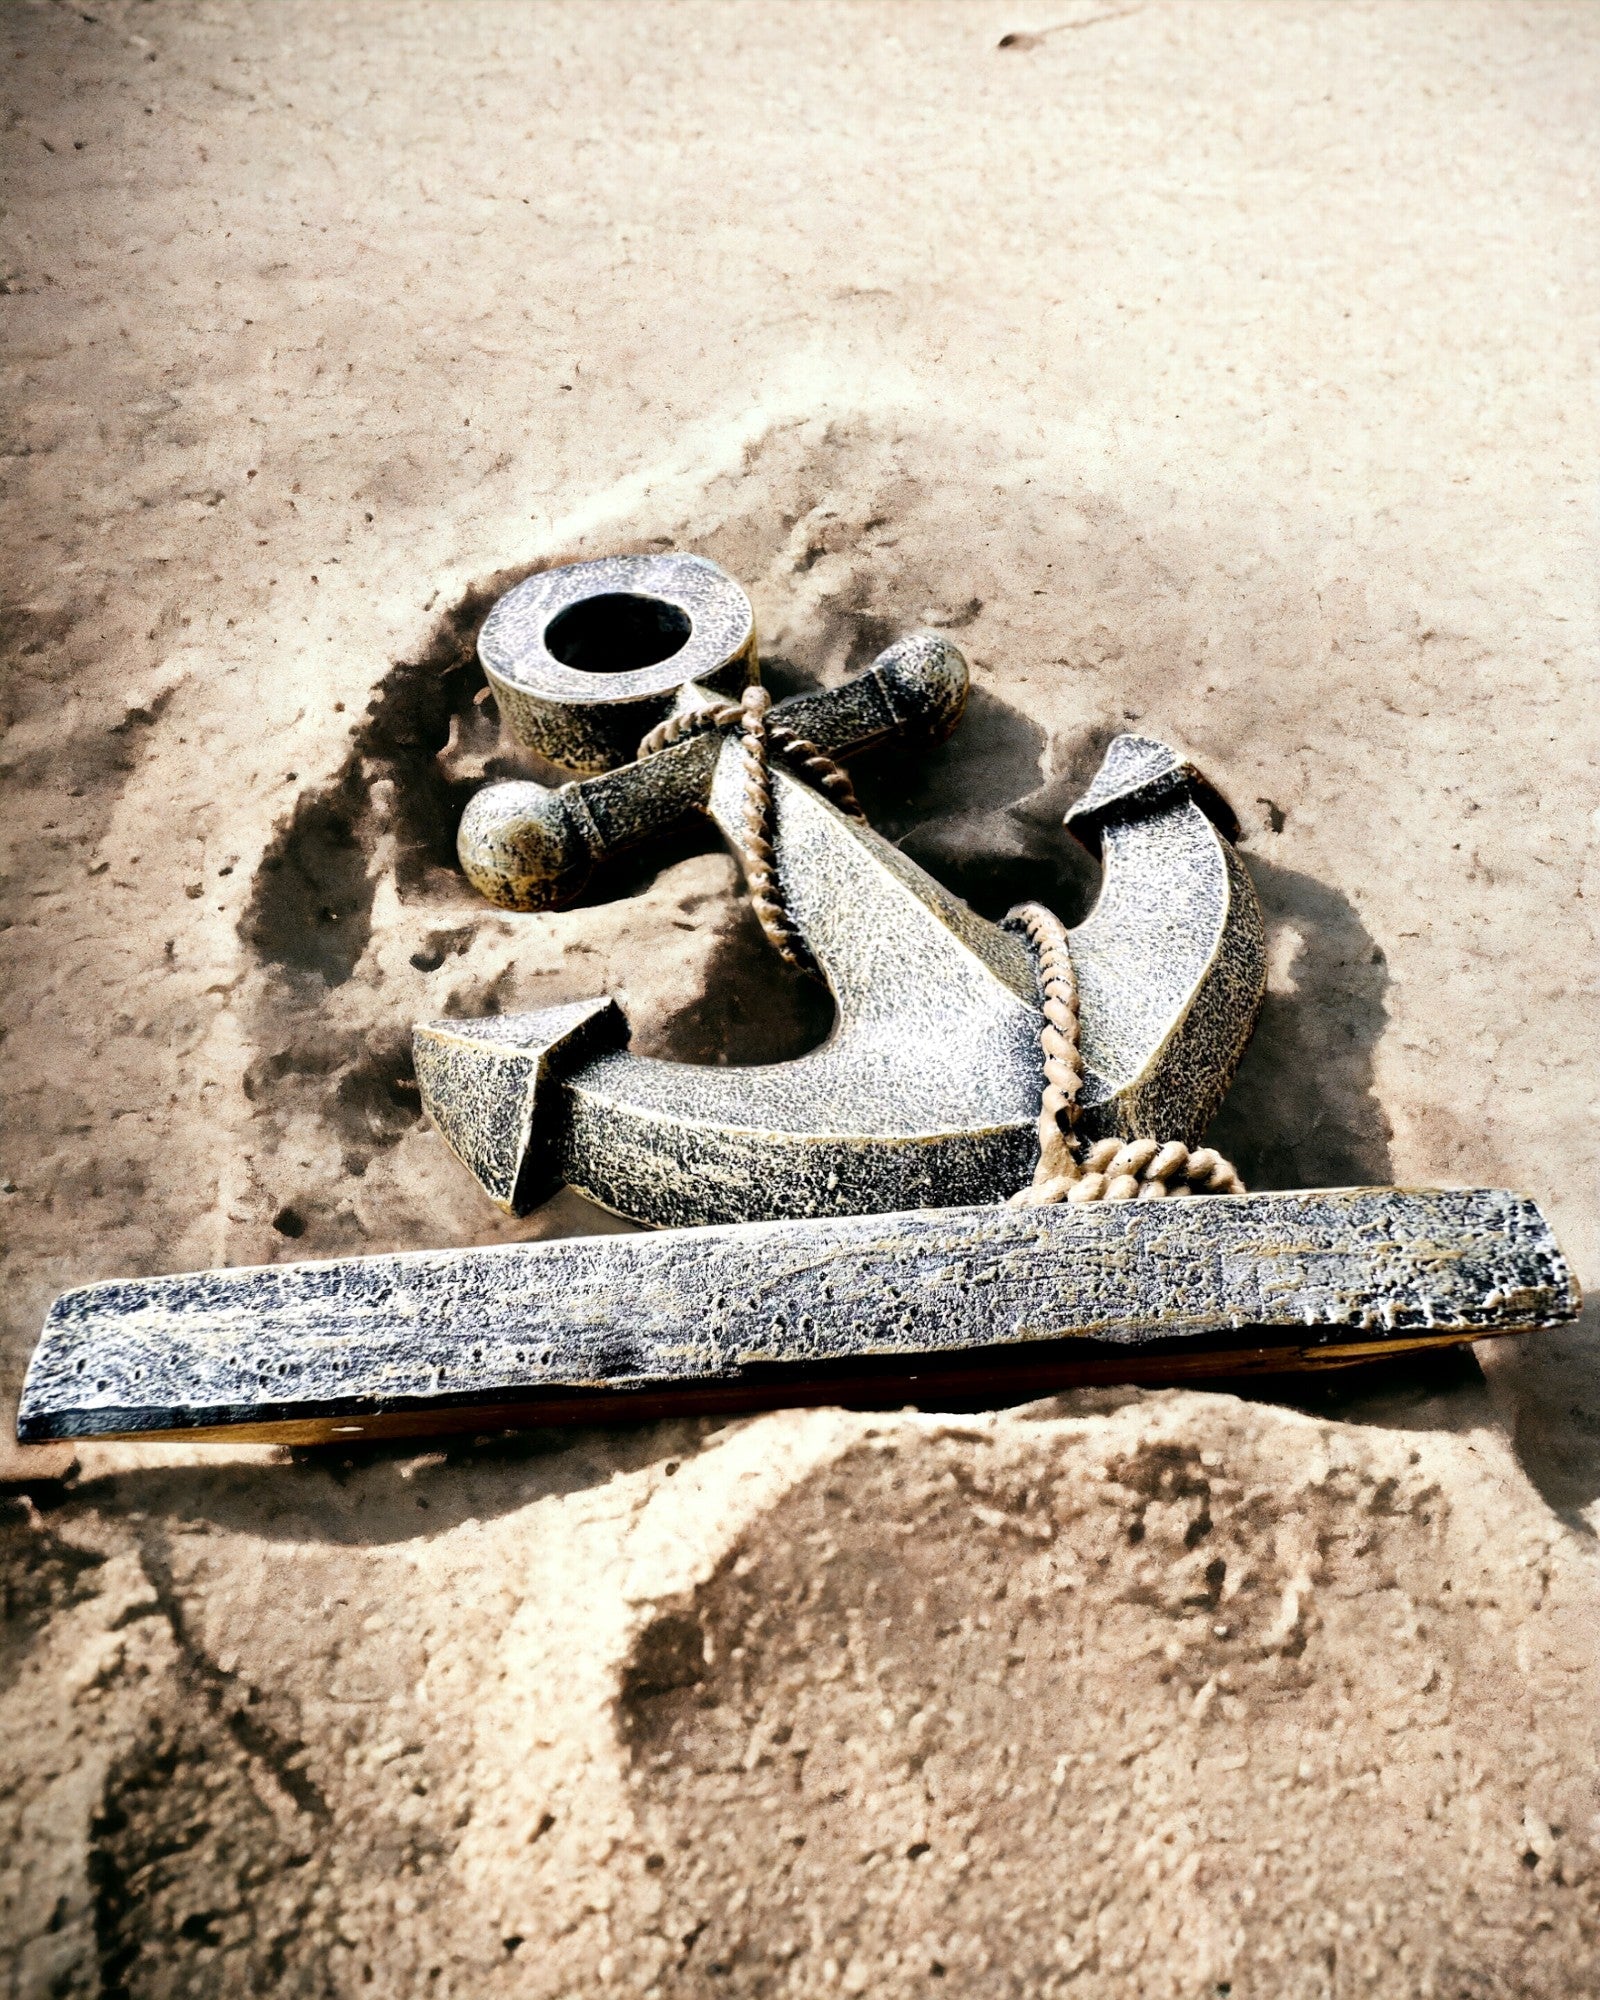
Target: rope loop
1107 1169
760 740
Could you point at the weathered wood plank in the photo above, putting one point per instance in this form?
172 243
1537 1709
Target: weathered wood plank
612 1324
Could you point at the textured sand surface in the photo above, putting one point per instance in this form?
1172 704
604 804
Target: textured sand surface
1224 369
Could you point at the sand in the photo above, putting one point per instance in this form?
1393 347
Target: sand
1223 370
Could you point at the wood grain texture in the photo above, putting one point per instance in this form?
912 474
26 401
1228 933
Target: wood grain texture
518 1331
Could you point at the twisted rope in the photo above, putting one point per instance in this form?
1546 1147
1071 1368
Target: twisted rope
760 739
1109 1169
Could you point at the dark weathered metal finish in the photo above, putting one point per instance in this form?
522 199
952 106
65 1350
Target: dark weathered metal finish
688 619
927 1092
504 1130
533 847
438 1338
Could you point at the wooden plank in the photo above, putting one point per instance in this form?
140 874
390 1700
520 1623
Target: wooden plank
776 1312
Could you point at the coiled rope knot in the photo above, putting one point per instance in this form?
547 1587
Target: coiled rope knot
760 739
1109 1169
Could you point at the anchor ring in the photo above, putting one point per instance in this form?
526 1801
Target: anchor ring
585 659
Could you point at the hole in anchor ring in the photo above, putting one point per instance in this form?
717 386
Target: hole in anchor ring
617 633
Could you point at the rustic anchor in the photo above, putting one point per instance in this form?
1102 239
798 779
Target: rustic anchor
964 1054
927 1091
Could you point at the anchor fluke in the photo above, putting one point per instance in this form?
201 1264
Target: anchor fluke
1137 775
486 1083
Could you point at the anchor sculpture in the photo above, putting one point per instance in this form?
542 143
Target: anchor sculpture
843 1226
927 1092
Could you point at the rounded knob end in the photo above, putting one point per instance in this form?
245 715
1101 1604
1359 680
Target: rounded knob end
926 679
522 846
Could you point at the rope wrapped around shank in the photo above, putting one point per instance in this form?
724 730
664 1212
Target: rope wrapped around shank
1109 1169
760 739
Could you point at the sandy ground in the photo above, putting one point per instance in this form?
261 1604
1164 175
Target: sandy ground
1227 369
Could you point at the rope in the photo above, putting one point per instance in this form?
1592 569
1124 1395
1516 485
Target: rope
760 739
1109 1169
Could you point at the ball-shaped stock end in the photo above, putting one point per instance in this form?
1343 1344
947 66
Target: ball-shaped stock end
521 846
929 681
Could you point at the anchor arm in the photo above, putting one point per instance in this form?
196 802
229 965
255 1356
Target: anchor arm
1171 961
927 1092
